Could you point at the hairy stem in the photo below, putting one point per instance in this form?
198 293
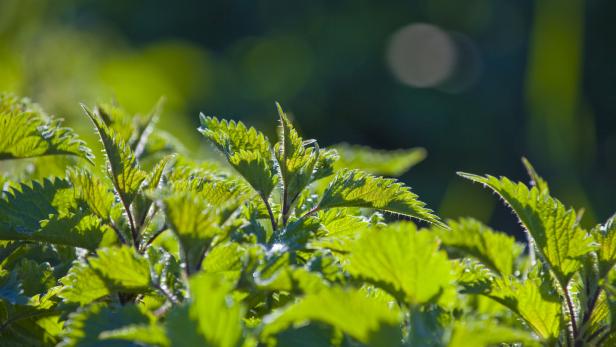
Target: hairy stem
155 235
131 223
167 294
269 211
311 212
117 232
285 205
571 312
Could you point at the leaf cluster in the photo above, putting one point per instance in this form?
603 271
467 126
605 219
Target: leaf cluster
274 243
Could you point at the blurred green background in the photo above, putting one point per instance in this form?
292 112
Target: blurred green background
478 83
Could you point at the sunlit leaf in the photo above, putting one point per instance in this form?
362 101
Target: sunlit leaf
534 303
246 149
403 261
122 166
351 188
194 222
364 318
297 161
498 251
121 268
47 212
210 318
27 131
554 230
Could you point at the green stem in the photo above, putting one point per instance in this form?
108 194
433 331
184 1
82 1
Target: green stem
131 222
269 211
571 313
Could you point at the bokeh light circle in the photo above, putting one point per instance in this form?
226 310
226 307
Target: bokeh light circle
421 55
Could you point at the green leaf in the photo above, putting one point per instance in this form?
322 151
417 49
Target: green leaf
118 119
27 131
122 166
341 226
93 192
605 235
366 319
11 290
536 180
122 269
138 132
148 334
142 210
35 278
378 162
326 163
211 318
554 230
485 334
224 258
310 335
82 285
352 188
403 261
296 160
194 222
246 149
223 193
95 325
117 269
165 270
47 212
156 175
496 250
535 303
296 234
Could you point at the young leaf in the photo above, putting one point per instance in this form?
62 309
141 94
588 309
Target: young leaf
142 209
194 222
155 177
246 149
497 251
26 131
378 162
605 235
352 188
122 166
137 131
536 180
211 318
325 164
296 160
403 261
554 229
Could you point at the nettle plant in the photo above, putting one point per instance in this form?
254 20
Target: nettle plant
287 244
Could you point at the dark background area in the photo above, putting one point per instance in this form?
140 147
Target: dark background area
478 83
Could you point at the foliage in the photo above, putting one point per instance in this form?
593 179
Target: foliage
278 244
